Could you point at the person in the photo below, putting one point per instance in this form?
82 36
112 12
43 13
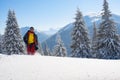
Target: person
31 41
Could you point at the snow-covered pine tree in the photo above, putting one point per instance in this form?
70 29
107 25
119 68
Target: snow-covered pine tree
59 49
2 46
0 43
40 50
108 41
94 33
80 41
47 50
94 39
13 42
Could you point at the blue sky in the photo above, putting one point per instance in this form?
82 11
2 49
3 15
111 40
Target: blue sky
46 14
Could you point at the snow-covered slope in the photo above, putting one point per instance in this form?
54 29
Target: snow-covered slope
24 67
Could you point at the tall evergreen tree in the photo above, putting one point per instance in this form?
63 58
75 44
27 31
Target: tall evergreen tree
0 43
94 40
40 50
59 49
47 50
13 42
108 41
80 40
94 33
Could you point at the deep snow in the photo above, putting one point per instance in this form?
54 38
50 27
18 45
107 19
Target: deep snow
28 67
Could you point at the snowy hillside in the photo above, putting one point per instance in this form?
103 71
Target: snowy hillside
24 67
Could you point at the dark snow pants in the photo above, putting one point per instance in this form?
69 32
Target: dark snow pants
31 49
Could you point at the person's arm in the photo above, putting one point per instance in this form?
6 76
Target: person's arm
36 38
25 38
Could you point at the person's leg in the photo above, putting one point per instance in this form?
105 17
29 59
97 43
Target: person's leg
28 50
33 49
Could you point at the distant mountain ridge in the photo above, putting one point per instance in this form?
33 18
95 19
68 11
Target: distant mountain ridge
65 32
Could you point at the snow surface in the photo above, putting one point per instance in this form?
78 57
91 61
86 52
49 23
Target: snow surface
27 67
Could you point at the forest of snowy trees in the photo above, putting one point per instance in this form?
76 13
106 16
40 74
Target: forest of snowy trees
104 44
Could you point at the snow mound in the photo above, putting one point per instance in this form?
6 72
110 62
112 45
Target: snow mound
27 67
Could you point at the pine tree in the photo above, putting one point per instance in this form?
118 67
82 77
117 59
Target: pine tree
80 40
40 50
94 40
108 41
0 43
47 50
13 42
59 49
2 46
94 33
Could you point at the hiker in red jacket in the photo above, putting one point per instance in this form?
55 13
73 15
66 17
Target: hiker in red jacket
31 41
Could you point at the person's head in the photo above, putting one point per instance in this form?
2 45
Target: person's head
32 29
